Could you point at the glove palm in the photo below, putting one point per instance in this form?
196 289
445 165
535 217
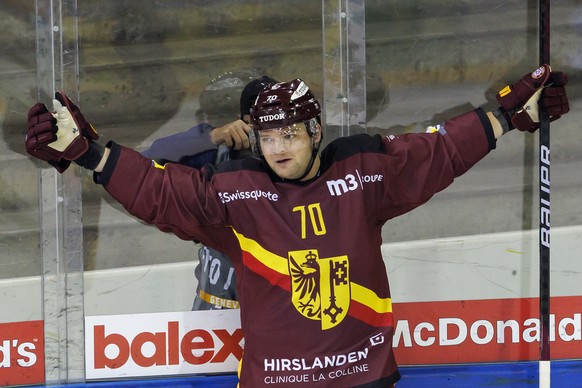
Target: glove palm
58 137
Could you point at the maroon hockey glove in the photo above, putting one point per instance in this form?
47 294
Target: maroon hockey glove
59 137
520 103
554 99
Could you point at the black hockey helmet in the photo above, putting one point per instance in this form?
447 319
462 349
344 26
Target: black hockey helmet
251 91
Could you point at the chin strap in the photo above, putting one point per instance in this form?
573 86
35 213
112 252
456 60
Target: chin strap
314 147
314 152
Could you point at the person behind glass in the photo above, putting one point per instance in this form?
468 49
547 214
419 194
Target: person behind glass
202 144
303 227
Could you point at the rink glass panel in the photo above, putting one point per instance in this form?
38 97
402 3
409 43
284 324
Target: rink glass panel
20 245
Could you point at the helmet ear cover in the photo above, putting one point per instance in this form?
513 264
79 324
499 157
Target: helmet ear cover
311 126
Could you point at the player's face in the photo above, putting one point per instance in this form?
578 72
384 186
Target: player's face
288 151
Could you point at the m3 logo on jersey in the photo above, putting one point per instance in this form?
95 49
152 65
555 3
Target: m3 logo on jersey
320 286
351 182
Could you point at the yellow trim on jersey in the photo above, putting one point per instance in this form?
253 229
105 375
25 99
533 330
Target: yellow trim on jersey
218 301
269 259
160 166
369 298
279 264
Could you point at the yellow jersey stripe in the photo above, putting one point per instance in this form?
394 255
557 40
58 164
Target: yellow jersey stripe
279 264
369 298
268 259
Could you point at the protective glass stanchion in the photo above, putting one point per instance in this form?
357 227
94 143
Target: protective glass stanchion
60 204
344 59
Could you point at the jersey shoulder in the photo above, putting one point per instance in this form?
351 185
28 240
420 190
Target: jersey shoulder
345 147
248 163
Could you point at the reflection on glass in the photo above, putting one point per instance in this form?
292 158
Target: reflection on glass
20 295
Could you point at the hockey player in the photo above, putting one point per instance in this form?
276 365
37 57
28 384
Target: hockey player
303 228
216 281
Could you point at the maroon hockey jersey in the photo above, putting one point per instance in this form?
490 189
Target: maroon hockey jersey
314 296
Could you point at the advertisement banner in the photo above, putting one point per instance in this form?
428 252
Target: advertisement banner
177 343
494 330
21 353
427 333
